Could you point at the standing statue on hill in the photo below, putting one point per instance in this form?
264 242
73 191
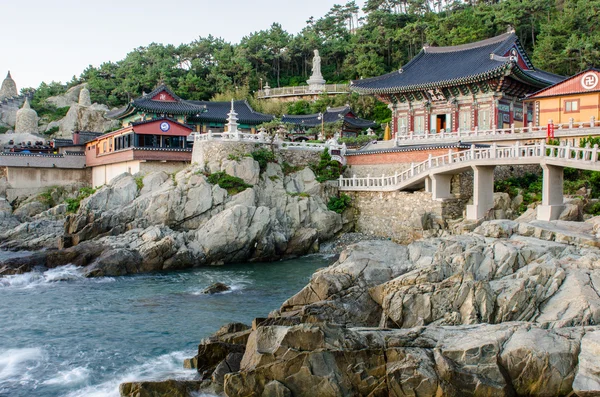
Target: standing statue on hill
316 69
316 83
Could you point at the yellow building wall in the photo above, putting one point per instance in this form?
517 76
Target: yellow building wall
553 108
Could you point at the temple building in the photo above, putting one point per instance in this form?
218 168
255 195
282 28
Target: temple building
8 88
200 115
478 85
151 145
351 124
575 100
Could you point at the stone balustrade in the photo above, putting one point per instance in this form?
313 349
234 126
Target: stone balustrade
572 128
261 138
302 90
586 158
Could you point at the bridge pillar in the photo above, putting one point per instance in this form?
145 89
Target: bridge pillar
428 183
440 186
483 192
552 194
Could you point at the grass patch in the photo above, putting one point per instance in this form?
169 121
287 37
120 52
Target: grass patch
74 203
327 169
46 198
52 130
233 157
301 194
287 168
3 129
263 157
339 204
232 184
139 181
274 178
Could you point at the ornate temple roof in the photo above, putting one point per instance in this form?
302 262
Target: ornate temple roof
160 101
456 65
330 116
217 112
164 101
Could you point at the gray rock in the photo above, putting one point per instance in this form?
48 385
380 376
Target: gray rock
587 378
216 288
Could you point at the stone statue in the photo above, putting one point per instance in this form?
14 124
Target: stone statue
316 83
316 69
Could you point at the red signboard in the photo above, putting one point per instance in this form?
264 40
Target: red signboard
550 130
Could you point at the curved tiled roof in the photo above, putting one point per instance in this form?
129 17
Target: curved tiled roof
447 66
330 116
217 112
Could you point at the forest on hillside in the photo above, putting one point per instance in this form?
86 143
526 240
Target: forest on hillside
561 36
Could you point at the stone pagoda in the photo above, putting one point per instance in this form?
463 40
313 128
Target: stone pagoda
9 88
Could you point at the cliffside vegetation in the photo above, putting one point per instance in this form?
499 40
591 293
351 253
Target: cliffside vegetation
561 36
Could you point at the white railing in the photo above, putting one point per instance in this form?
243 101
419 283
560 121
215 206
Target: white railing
301 90
530 132
262 138
417 172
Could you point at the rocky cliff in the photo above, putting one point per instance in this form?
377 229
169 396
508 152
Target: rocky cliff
508 310
162 222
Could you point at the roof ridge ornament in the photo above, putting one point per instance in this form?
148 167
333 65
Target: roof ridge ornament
510 29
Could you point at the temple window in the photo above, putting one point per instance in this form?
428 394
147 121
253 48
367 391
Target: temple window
484 119
464 121
419 124
572 106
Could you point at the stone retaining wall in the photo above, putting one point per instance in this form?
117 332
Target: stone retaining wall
206 152
402 216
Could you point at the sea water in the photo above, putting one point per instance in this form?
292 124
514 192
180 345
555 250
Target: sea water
62 334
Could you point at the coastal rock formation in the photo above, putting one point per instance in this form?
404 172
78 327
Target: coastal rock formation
511 315
163 222
82 114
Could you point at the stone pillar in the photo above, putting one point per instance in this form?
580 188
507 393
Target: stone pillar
428 184
441 185
483 192
552 193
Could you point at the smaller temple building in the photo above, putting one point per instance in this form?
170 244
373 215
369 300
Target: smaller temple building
573 101
350 124
151 145
202 116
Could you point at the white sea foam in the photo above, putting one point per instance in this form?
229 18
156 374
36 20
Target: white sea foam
70 377
16 364
36 278
167 366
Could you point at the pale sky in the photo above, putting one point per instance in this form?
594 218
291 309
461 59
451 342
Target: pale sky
52 40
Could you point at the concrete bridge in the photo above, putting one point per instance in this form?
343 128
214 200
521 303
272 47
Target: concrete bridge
435 174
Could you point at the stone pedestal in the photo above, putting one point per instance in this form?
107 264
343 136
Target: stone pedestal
483 192
316 83
552 194
441 186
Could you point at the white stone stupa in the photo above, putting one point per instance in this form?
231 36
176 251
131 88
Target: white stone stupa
9 88
27 120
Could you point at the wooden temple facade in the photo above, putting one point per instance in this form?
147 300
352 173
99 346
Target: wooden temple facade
446 89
